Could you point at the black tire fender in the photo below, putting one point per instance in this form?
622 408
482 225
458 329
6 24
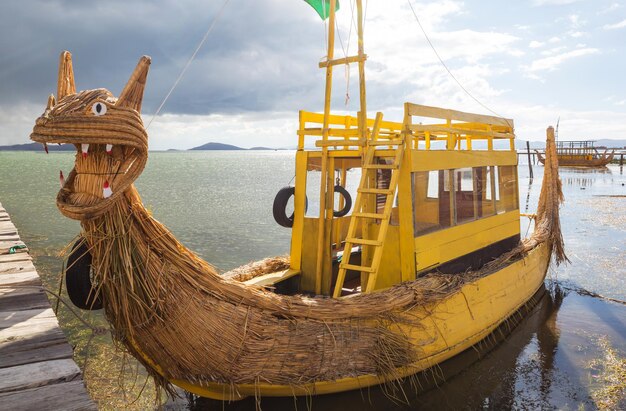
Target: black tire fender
347 201
78 278
280 206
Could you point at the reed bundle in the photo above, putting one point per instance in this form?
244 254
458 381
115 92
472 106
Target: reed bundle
166 304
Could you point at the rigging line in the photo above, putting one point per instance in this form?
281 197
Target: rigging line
352 25
448 70
193 56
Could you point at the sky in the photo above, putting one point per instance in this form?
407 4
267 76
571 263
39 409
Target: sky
533 61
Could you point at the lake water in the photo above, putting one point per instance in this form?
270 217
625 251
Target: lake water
569 353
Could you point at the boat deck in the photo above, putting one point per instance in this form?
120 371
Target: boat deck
37 370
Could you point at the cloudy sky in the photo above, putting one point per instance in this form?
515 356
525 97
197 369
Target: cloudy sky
533 61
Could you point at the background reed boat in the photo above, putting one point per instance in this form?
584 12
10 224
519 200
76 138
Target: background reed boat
427 263
579 154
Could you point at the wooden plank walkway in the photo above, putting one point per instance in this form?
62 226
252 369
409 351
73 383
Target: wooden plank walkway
37 371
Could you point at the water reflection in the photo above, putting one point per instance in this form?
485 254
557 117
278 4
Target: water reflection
584 177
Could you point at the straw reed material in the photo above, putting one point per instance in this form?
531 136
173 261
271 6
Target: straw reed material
165 303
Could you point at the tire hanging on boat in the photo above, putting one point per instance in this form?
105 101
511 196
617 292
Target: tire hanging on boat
279 208
347 201
78 278
284 194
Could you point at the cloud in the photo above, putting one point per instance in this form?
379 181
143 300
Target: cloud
259 65
531 122
551 63
615 26
612 7
553 2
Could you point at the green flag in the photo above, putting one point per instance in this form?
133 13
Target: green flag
322 7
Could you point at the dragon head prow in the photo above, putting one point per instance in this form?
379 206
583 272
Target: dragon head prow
110 139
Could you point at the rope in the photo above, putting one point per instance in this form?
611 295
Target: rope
448 70
193 56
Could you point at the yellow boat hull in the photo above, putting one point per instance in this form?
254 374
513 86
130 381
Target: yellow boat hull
447 328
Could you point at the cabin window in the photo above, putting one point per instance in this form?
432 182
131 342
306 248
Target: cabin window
506 185
464 195
485 201
431 193
444 198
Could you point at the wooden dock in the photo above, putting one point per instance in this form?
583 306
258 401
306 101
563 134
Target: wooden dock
37 371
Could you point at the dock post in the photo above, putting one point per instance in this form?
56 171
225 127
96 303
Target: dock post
621 160
530 164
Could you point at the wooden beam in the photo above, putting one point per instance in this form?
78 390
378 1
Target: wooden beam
345 60
37 374
64 396
444 113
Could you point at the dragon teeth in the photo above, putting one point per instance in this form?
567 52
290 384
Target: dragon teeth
85 149
109 147
106 189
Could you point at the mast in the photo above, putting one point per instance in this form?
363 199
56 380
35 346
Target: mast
327 164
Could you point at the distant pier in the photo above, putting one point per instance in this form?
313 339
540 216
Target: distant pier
37 371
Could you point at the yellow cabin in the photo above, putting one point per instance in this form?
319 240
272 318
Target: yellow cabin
436 192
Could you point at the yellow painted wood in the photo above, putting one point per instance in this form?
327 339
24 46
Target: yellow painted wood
384 225
321 233
272 278
361 61
434 130
447 244
438 112
309 254
299 211
359 205
424 160
344 60
447 328
405 201
328 229
369 268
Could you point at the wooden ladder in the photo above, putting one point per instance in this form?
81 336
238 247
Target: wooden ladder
360 215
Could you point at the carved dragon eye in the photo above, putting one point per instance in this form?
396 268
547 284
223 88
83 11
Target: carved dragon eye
99 109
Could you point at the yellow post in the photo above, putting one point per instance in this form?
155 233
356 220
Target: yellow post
299 210
405 202
363 108
321 246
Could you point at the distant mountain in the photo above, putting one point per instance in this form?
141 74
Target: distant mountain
217 146
38 147
610 143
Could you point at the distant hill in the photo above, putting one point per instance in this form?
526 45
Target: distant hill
217 146
610 143
38 147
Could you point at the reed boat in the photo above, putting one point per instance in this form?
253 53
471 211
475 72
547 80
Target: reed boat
579 154
423 264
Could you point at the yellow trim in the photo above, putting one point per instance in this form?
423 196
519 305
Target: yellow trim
424 160
452 242
299 211
272 278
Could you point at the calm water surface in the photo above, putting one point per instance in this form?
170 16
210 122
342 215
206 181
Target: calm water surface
565 355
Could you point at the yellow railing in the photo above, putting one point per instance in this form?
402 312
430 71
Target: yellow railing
456 127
